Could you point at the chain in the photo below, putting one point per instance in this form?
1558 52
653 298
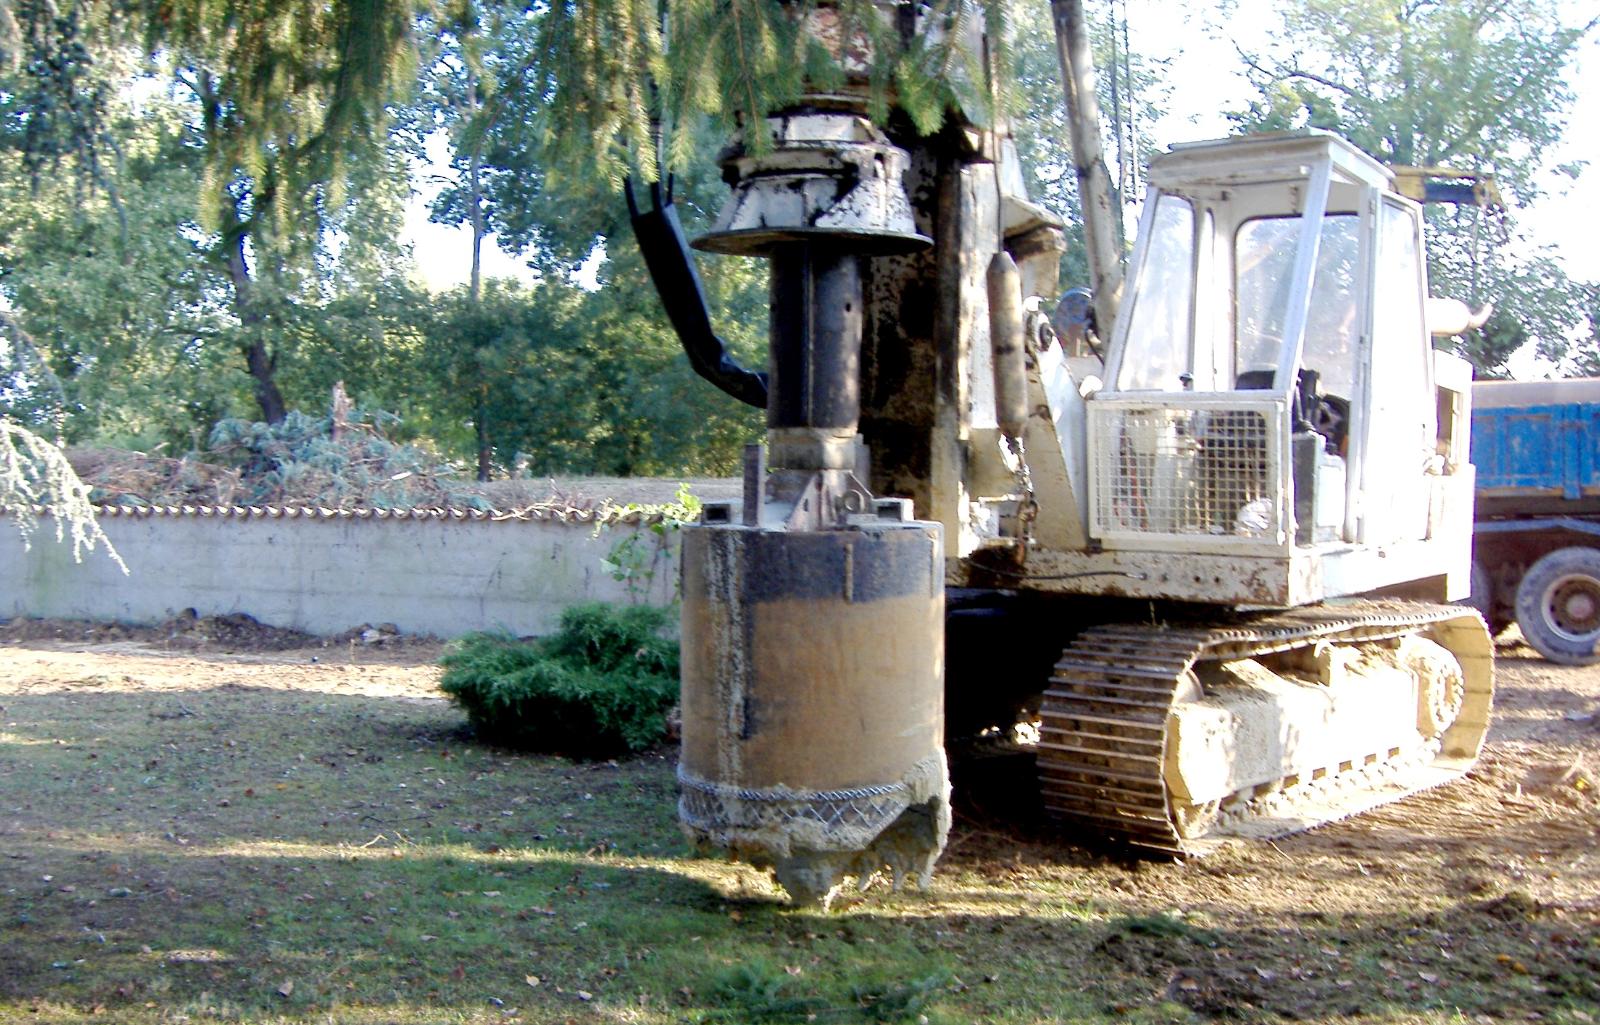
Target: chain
1027 505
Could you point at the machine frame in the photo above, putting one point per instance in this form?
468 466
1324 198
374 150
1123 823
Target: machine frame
1415 543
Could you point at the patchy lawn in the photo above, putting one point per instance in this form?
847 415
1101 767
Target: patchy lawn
309 835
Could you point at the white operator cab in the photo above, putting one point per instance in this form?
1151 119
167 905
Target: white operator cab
1274 427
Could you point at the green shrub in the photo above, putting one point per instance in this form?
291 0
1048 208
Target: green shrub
756 991
600 686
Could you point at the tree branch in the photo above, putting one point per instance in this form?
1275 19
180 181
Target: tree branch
1282 73
25 343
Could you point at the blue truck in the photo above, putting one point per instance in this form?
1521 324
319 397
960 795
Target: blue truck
1536 535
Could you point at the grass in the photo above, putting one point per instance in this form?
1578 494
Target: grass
244 854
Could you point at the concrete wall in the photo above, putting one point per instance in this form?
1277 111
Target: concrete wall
324 573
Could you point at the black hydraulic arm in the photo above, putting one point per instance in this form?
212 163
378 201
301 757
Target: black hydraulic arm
666 256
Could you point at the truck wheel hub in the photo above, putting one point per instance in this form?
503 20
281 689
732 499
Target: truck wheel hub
1574 605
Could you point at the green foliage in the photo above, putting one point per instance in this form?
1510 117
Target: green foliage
1587 362
637 555
338 461
578 382
148 316
581 380
1478 86
1043 134
57 81
601 685
296 90
1463 83
1535 301
299 87
617 70
758 992
115 290
164 308
35 475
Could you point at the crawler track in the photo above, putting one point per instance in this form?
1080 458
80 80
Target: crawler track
1104 729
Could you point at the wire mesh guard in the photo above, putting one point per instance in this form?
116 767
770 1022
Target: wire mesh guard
843 815
1207 471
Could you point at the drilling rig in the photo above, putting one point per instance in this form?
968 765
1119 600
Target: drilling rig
1225 497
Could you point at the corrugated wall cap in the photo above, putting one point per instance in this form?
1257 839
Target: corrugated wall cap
543 512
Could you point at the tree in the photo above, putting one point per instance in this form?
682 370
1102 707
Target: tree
115 286
282 115
287 94
1475 84
1587 361
555 378
608 353
475 40
662 418
620 74
482 50
136 305
1131 93
276 216
291 117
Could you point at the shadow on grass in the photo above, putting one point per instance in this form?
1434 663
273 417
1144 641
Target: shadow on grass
430 932
262 855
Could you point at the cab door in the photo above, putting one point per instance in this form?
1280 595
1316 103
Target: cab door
1398 428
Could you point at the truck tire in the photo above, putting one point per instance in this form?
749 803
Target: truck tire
1558 606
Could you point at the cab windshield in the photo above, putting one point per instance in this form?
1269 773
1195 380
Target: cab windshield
1179 341
1158 348
1264 254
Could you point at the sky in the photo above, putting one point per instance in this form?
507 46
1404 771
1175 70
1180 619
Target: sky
1207 78
443 253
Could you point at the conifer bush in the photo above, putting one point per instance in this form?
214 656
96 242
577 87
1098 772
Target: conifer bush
600 686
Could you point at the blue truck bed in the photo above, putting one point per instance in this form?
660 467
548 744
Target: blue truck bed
1549 448
1536 540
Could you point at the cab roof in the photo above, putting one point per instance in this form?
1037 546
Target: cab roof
1264 159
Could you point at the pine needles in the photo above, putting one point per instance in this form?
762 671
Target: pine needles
34 475
616 71
601 686
295 90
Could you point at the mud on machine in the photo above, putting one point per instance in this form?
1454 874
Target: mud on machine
1237 512
813 620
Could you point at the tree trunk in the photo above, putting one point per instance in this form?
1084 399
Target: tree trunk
475 194
258 359
475 284
480 424
262 367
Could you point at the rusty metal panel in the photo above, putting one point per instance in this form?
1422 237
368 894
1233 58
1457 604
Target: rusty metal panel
813 699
